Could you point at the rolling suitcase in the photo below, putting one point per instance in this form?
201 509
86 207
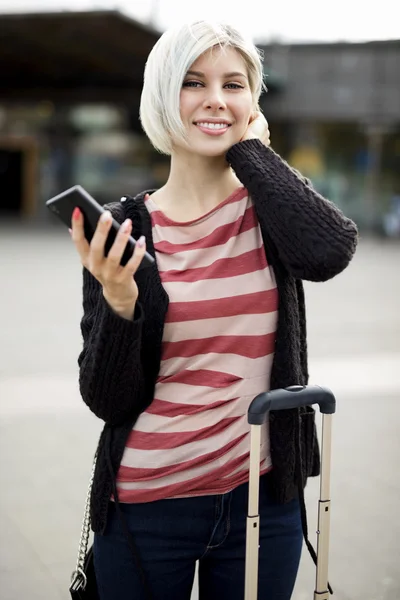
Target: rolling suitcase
291 397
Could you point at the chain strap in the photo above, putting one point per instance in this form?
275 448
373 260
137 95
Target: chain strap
78 577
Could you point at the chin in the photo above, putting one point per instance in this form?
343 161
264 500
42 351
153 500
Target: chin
212 148
211 152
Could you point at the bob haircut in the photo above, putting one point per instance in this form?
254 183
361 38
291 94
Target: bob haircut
166 67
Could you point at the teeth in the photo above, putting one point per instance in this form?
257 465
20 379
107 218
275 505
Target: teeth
214 125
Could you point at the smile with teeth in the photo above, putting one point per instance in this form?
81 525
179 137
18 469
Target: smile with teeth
207 125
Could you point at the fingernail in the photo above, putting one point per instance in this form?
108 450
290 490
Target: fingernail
70 231
76 214
126 225
105 217
141 241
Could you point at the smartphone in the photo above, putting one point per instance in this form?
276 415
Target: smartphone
63 206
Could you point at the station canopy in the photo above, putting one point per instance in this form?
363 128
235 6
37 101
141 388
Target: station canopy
73 57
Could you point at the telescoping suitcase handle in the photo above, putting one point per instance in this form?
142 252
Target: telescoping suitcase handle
295 396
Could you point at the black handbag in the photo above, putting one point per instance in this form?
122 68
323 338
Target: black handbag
84 586
83 580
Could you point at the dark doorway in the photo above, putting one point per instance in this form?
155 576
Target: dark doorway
11 180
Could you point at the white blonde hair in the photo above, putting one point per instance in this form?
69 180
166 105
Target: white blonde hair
166 67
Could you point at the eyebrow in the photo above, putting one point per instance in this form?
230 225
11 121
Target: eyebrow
225 75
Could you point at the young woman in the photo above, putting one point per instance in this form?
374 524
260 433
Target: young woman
174 354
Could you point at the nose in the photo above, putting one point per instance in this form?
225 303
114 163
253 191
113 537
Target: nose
214 100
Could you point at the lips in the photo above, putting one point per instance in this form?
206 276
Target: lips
213 125
213 128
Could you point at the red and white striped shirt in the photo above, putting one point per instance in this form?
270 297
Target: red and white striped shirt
217 351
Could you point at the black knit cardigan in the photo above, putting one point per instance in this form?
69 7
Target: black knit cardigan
305 237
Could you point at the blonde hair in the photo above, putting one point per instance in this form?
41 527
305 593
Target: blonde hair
166 67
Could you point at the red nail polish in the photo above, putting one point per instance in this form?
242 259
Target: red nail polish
76 214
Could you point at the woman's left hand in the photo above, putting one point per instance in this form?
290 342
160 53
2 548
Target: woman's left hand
258 129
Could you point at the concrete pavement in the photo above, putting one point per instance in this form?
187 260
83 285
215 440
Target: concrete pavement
47 436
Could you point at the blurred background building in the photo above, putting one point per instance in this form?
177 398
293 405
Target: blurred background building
69 98
335 115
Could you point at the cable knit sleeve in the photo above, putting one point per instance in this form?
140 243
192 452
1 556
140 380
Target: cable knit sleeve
312 237
110 372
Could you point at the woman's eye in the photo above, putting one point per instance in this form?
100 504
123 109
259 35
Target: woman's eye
197 84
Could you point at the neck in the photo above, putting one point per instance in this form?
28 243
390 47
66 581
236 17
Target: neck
196 185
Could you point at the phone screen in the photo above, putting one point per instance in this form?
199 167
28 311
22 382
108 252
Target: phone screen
63 206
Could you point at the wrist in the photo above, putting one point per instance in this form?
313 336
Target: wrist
125 310
249 136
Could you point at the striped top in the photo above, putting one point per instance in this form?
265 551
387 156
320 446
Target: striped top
217 351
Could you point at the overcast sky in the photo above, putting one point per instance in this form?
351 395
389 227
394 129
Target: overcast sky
288 20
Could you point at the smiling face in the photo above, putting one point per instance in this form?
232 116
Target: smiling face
216 102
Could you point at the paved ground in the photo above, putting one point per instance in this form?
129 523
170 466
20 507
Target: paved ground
47 437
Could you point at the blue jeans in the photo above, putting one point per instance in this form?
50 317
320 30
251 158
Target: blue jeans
171 535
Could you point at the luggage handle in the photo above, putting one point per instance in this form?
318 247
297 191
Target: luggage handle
294 396
291 397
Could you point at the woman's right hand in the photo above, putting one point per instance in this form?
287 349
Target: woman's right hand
119 286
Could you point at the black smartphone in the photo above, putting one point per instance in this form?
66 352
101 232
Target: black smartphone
63 206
